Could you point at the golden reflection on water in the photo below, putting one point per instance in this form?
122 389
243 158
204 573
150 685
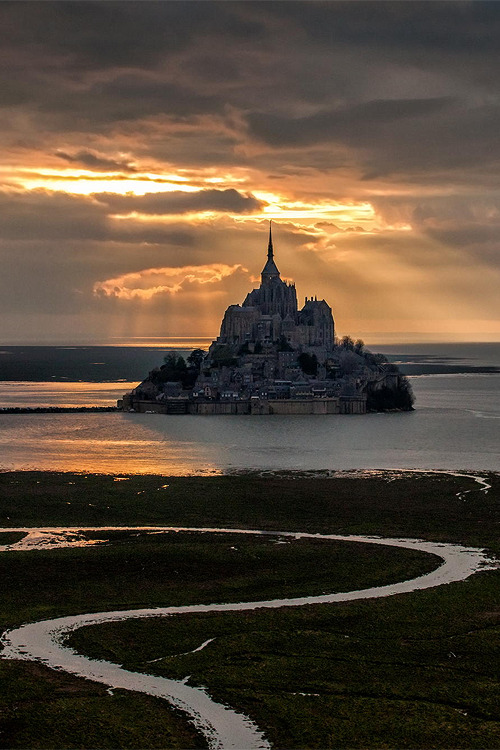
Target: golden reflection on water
110 443
436 436
101 457
64 394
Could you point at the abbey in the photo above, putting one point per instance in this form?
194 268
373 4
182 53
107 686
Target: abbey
272 358
270 314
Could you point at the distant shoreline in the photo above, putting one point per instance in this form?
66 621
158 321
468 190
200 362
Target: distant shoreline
54 409
116 365
408 369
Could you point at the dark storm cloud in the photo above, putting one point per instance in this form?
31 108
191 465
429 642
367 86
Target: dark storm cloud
58 216
98 163
414 25
127 97
382 80
415 139
351 125
88 64
43 216
117 34
458 221
178 202
318 101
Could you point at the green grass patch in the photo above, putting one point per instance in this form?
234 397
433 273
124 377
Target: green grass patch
40 708
417 670
186 568
392 504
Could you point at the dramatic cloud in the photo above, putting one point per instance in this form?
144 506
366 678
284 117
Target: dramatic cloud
353 124
229 201
155 135
152 281
93 161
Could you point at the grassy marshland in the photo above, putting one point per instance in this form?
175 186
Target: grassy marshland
418 670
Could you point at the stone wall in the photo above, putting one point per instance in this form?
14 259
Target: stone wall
342 405
306 406
219 407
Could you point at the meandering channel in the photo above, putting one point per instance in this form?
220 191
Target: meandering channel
223 727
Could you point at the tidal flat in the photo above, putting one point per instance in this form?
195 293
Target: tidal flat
413 670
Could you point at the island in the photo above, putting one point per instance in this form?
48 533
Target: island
272 358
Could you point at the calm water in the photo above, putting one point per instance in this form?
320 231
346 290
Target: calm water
127 363
456 426
30 394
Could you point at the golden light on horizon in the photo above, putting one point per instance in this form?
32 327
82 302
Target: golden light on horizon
348 214
85 182
274 205
281 207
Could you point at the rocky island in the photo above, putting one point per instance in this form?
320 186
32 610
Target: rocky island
272 358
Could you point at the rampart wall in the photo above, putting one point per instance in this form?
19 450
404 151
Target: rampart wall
342 405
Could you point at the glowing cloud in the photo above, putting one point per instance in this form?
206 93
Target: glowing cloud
153 281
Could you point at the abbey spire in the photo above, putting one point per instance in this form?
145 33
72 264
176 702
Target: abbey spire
270 250
270 270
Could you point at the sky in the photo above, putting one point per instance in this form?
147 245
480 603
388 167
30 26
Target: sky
146 146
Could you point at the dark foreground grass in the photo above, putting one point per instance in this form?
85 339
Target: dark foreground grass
393 504
40 708
409 671
416 671
139 570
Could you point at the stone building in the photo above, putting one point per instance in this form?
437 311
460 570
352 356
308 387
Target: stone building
270 314
272 358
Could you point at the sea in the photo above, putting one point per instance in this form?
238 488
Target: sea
455 425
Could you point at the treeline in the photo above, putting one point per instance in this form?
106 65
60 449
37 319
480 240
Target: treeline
175 369
398 398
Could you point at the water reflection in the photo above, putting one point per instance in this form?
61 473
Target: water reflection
28 394
454 427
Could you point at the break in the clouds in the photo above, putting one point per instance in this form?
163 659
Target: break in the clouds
152 281
143 139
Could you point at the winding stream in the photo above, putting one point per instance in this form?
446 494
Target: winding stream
223 727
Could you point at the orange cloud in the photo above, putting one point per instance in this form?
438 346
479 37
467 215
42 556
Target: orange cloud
169 280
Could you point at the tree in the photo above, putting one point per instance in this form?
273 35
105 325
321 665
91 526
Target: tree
222 356
386 398
405 398
196 358
173 369
349 362
308 363
359 346
346 342
174 365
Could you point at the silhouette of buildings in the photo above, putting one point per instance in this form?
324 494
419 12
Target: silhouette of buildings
270 314
272 358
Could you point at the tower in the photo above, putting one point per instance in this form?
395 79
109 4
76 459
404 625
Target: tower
270 270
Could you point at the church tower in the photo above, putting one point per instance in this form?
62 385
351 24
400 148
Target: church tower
270 313
270 270
274 296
